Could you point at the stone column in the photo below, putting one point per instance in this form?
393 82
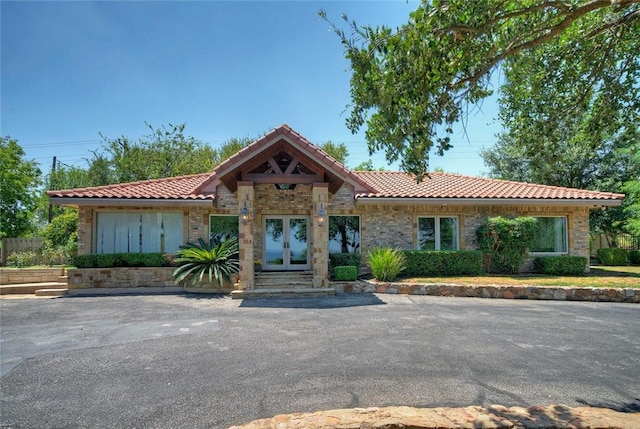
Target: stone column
246 197
320 236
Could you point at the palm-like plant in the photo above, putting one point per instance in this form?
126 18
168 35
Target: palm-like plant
216 260
386 263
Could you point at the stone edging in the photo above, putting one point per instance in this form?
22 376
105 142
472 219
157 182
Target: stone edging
558 293
494 416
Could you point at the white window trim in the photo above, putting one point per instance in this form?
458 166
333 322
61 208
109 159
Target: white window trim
566 238
437 230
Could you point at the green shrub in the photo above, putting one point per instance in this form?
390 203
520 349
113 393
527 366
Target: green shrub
61 228
504 242
344 259
634 256
22 259
386 263
443 263
560 265
345 273
109 260
612 256
217 261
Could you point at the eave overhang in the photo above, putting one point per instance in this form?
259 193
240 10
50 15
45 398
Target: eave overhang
130 202
590 203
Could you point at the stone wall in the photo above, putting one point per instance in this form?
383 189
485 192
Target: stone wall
120 277
559 293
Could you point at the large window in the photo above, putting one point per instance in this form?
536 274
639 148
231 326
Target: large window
438 233
344 234
131 232
222 227
551 235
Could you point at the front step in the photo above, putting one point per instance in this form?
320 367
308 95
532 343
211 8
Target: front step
283 293
52 292
29 288
283 280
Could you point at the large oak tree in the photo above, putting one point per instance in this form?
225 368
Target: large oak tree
412 84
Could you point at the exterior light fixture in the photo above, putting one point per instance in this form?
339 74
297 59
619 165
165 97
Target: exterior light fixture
244 214
322 216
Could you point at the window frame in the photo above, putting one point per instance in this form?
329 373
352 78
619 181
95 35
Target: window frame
95 227
358 250
437 231
566 237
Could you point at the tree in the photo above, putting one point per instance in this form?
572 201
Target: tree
19 179
562 134
410 86
337 151
156 155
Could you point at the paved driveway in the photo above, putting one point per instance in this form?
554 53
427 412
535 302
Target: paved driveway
191 361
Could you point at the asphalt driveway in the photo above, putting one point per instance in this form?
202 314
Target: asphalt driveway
193 362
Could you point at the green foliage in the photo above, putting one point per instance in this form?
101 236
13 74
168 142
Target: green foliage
337 151
634 257
61 228
411 85
345 273
23 259
110 260
631 204
154 155
19 179
386 263
217 261
443 263
504 242
561 265
344 259
612 256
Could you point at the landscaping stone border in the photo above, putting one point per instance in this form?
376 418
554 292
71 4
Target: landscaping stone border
493 416
556 293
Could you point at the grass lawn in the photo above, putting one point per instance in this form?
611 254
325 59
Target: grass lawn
600 276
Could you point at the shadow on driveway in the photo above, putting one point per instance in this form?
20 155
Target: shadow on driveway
338 301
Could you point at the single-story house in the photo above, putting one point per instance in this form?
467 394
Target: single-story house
291 205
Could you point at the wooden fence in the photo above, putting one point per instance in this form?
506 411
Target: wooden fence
14 245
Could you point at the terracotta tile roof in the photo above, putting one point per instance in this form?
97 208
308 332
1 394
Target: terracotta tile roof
171 188
447 185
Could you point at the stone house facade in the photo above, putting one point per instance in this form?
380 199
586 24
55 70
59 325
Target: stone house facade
290 205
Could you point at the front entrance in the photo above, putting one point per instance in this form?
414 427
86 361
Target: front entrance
286 243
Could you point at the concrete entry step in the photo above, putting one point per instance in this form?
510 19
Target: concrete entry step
52 292
29 288
282 293
283 279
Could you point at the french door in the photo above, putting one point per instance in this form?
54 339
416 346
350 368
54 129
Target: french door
286 244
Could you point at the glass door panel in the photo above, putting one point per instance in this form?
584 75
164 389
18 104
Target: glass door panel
274 243
297 246
286 243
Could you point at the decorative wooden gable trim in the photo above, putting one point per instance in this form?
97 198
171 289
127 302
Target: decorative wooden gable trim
284 157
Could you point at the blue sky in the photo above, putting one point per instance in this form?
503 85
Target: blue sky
72 70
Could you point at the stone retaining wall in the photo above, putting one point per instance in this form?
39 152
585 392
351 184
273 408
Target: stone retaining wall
10 276
505 292
130 277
